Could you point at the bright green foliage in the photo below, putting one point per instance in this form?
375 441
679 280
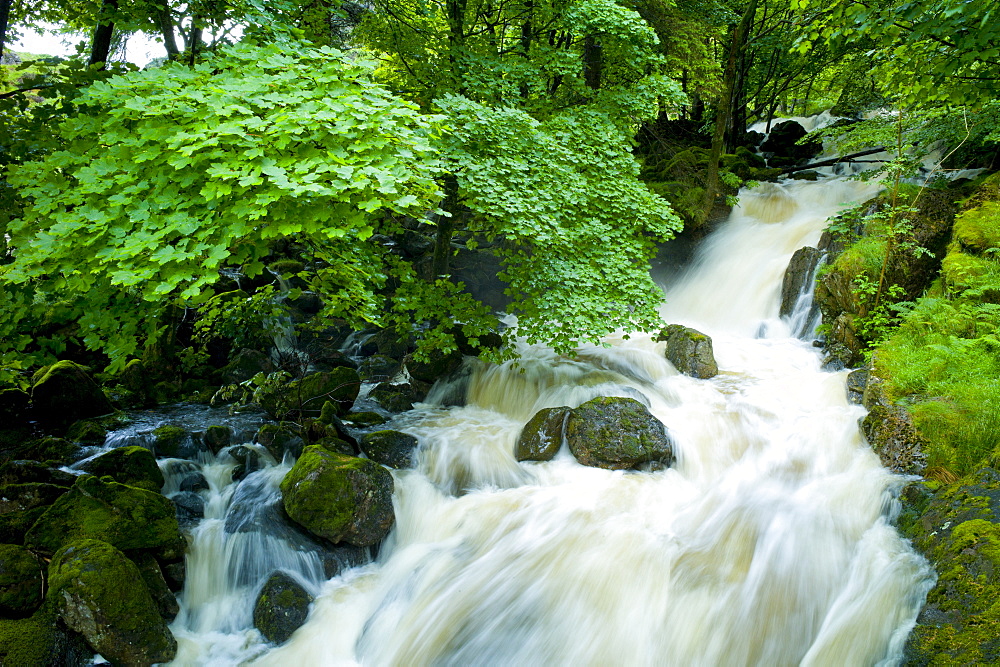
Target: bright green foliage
176 172
578 227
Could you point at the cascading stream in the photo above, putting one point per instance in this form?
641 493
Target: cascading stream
768 543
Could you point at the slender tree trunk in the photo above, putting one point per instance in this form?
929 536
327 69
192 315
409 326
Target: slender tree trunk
527 35
166 24
723 111
4 18
195 37
456 43
100 49
593 62
445 228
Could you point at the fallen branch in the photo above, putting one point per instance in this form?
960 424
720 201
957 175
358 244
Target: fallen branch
833 161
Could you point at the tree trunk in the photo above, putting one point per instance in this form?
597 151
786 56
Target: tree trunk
456 43
445 228
4 17
100 49
166 24
723 111
593 62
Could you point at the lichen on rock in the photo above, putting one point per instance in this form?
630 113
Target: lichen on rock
617 434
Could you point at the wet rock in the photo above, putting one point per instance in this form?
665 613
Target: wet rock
101 595
138 382
856 383
124 516
64 393
54 451
305 397
435 367
689 351
42 639
87 431
216 438
805 175
280 438
245 364
339 498
890 431
364 418
798 276
24 471
542 436
14 525
174 574
617 434
135 466
21 581
399 397
22 497
783 138
247 459
190 508
337 446
152 576
390 344
378 368
174 442
194 482
281 607
390 448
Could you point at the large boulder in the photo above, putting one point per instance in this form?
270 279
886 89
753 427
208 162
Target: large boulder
21 581
542 436
123 516
281 607
101 595
306 396
617 434
689 351
798 277
399 397
14 421
783 141
64 393
390 448
131 465
891 433
436 365
42 639
25 471
338 497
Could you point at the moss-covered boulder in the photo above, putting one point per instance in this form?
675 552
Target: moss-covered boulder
216 438
64 393
957 528
87 431
138 383
101 595
390 448
26 471
890 431
798 277
123 516
159 590
21 497
306 396
690 351
378 368
21 581
15 525
245 364
174 441
366 418
436 366
617 434
280 438
42 639
339 498
135 466
55 451
399 397
542 436
281 607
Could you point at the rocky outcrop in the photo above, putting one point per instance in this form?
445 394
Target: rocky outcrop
543 435
782 141
617 434
798 277
689 351
123 516
100 594
134 466
64 393
21 581
281 607
306 396
390 448
338 497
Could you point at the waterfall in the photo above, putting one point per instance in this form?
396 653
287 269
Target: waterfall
768 543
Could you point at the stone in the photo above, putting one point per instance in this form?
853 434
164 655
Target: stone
280 438
364 418
124 516
42 639
390 448
306 396
543 435
339 498
172 441
690 351
25 471
21 581
890 431
281 607
132 465
88 432
152 575
102 596
856 383
57 451
138 381
23 497
64 393
617 434
378 368
190 508
798 277
216 438
435 367
399 397
245 364
783 141
194 482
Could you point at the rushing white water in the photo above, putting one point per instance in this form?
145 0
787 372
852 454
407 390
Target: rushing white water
768 543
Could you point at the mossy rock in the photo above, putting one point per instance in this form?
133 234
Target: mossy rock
216 438
978 230
438 365
131 465
21 581
281 607
245 364
152 576
25 471
56 451
138 381
390 345
617 434
958 529
390 448
378 368
339 498
15 525
286 267
42 639
22 497
890 431
542 436
364 418
399 397
101 595
65 393
87 431
281 438
690 351
306 396
337 446
124 516
173 441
